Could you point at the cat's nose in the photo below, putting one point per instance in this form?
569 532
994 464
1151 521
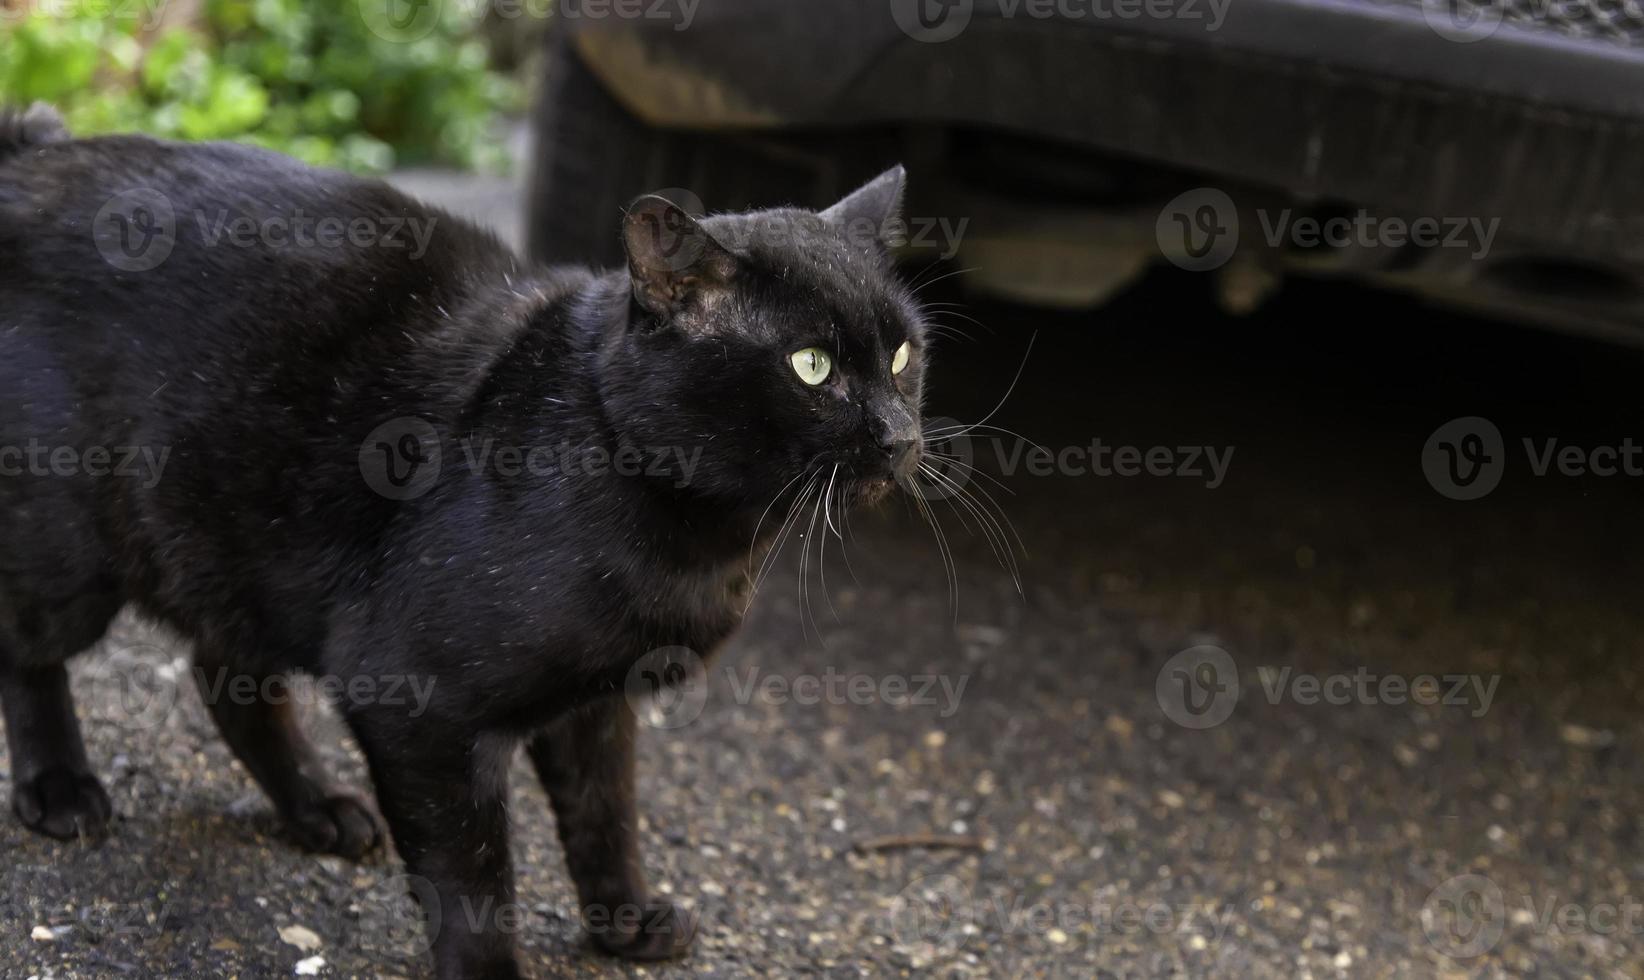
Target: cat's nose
899 445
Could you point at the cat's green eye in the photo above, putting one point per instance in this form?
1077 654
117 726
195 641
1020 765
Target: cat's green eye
899 360
811 364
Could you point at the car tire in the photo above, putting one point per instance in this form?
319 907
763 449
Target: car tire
592 156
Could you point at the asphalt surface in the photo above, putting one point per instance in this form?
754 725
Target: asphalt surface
1096 828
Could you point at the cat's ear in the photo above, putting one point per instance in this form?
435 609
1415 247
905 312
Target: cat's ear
671 258
874 210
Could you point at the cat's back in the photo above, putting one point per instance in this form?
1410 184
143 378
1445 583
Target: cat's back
136 235
213 272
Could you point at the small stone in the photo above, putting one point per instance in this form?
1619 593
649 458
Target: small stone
1343 960
310 967
1583 737
1197 943
1172 799
935 739
42 934
1057 936
301 937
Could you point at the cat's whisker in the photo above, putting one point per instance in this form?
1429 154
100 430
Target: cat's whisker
947 275
1001 522
828 520
822 559
789 522
950 491
942 548
1008 391
947 432
805 567
752 546
993 530
918 281
969 469
845 519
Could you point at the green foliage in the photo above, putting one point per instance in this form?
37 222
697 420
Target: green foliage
312 79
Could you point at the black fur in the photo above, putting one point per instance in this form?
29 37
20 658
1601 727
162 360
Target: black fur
263 369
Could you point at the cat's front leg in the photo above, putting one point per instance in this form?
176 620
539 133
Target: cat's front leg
586 763
444 793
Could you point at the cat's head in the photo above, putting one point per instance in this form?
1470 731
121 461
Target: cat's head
781 343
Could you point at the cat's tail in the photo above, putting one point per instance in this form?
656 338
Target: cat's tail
34 126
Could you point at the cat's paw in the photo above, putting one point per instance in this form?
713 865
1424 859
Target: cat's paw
661 931
343 823
62 803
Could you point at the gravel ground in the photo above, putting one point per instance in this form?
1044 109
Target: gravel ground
1493 833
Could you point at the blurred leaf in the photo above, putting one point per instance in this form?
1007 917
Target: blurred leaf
311 80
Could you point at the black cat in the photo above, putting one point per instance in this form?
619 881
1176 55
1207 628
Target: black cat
300 418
